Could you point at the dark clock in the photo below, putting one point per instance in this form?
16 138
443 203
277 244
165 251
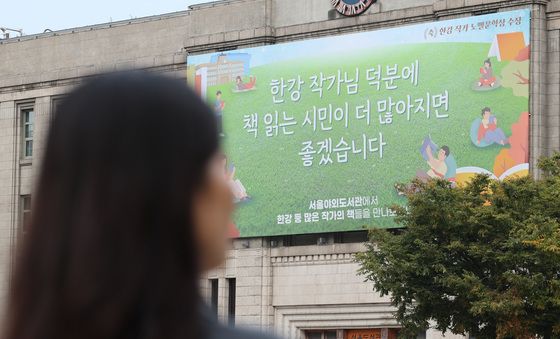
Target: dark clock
351 7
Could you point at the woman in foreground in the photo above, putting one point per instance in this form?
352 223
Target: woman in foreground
130 208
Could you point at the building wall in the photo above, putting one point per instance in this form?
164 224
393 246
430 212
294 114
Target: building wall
287 289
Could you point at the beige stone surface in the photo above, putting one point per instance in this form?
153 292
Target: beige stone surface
285 289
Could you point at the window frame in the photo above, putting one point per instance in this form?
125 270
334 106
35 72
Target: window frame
231 301
322 333
56 100
27 115
25 211
214 294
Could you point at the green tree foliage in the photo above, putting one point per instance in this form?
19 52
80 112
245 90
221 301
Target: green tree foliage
482 259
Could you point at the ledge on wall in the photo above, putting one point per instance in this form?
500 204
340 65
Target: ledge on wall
333 249
212 4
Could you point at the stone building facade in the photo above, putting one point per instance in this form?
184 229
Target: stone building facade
297 286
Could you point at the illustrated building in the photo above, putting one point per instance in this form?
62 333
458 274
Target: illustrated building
222 71
299 286
245 58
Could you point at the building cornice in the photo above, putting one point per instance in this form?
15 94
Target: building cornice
105 25
367 22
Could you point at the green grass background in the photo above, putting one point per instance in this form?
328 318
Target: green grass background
273 173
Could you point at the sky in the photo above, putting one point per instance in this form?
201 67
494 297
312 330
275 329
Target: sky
34 16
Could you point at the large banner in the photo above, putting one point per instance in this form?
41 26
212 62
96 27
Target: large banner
318 133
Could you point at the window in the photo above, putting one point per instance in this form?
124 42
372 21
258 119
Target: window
330 334
27 121
55 104
25 212
304 239
214 295
351 237
314 335
231 301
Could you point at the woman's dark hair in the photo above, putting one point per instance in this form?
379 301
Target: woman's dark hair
485 109
487 61
446 150
111 250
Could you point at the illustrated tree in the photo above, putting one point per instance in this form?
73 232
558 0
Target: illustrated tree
482 259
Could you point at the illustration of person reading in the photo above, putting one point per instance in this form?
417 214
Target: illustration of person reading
488 130
487 77
237 188
442 164
245 86
219 105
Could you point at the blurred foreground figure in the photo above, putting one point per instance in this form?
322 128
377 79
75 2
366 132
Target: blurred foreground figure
131 207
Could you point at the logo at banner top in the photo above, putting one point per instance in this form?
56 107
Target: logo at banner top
352 7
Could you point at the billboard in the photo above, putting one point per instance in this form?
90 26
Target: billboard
317 133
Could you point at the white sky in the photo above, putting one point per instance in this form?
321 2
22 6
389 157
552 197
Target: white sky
34 16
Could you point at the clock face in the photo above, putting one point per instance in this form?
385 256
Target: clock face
352 7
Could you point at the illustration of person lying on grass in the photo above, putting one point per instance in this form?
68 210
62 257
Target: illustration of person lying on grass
237 188
241 86
488 130
487 77
442 164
